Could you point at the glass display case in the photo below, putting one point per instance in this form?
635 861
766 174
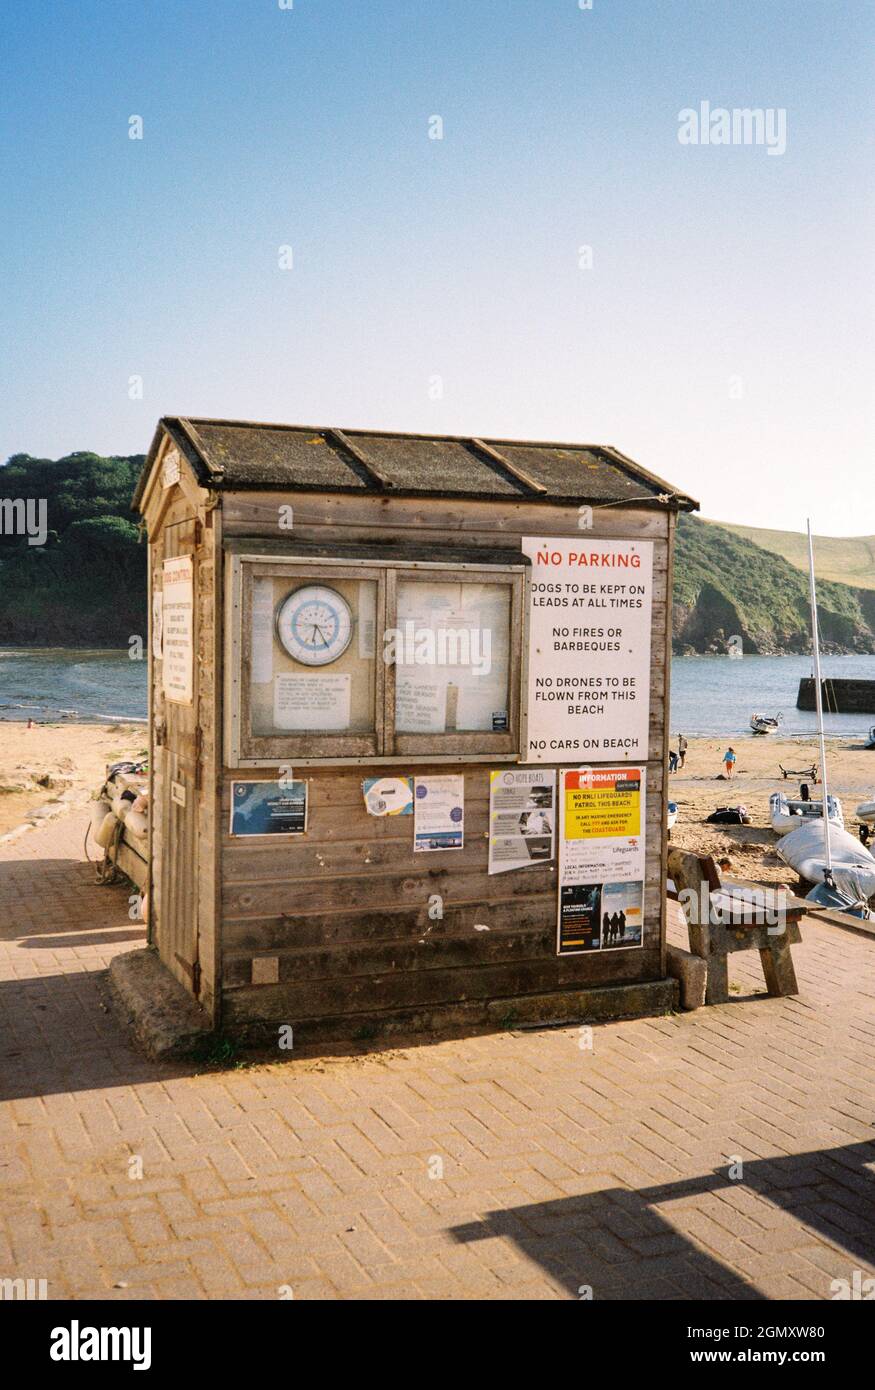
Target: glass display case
364 660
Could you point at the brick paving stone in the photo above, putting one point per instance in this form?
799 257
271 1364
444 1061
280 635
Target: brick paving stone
562 1167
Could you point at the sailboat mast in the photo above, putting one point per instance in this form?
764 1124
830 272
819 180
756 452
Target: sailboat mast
818 696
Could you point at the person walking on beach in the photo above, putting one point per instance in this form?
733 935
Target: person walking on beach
729 762
682 750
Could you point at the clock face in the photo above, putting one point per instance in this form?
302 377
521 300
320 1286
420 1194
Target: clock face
314 624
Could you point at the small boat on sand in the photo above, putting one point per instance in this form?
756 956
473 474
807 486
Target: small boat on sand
786 813
672 814
866 812
766 723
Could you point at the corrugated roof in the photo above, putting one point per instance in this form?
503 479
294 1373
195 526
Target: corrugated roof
237 454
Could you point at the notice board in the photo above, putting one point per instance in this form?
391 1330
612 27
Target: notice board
178 629
589 649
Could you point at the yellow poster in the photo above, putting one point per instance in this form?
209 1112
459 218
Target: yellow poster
602 802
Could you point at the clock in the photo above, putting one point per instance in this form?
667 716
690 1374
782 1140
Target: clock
314 624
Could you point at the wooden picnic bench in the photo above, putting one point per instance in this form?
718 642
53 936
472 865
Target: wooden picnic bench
734 904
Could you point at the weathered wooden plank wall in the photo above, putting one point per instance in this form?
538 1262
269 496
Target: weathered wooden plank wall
344 910
183 844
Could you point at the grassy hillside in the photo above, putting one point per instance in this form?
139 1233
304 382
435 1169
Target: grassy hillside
726 585
845 559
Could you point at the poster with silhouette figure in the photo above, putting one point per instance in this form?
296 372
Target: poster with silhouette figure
601 860
600 916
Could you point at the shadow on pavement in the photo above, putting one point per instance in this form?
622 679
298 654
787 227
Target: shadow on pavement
617 1243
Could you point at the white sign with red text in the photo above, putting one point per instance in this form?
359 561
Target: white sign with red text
589 649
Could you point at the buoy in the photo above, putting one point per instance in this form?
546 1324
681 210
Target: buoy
136 822
107 830
99 811
120 807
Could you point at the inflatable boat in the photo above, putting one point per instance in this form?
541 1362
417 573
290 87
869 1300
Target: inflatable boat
852 866
786 813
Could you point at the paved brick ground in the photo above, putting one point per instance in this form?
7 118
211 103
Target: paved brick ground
509 1166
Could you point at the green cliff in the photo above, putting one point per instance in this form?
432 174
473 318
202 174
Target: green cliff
727 586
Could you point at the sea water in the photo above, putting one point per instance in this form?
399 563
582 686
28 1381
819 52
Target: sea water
710 695
716 695
50 684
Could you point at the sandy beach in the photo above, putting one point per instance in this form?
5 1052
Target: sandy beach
699 788
71 760
50 766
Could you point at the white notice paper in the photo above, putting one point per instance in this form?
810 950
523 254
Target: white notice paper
420 704
439 813
451 656
367 619
178 604
262 631
157 624
312 704
589 649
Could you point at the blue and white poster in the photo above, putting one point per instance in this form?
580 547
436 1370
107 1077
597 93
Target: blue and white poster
439 813
268 808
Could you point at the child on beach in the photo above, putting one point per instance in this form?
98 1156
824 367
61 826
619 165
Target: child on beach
729 762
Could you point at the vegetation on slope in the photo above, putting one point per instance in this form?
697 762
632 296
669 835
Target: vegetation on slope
87 585
727 586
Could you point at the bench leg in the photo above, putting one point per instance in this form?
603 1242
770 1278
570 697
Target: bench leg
778 968
717 988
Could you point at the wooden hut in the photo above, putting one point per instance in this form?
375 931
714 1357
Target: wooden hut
338 842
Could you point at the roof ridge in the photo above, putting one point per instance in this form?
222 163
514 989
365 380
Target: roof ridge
562 472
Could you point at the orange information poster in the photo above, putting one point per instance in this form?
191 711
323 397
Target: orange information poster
601 859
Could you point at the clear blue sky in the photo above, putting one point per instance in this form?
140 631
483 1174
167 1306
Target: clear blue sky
416 258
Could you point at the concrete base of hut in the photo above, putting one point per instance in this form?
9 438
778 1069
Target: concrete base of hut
570 1007
163 1017
167 1022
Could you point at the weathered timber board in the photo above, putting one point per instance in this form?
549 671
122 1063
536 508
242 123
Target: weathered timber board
362 518
367 994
